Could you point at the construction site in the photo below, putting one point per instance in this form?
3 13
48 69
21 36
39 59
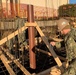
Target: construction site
26 28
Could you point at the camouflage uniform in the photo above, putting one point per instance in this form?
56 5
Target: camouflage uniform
70 45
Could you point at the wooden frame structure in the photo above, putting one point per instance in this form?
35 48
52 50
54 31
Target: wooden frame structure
20 30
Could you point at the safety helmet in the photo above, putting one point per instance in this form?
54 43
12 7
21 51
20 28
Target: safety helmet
62 23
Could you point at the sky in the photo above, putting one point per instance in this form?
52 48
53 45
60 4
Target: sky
72 1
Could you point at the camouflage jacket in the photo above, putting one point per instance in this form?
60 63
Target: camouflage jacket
70 44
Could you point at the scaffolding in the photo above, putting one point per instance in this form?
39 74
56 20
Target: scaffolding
18 54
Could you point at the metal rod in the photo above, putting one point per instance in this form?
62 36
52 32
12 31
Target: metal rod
31 31
42 51
48 53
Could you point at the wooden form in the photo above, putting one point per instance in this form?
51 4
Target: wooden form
4 60
56 58
13 34
16 62
20 30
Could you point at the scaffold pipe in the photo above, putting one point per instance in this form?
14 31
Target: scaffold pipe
31 31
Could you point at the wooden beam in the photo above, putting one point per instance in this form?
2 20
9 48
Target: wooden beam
56 58
4 60
13 34
20 30
21 67
11 61
16 62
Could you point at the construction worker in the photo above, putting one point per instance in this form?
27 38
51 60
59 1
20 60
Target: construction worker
70 45
73 23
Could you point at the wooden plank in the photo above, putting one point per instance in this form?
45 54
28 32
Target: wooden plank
16 32
56 58
13 34
11 61
16 62
30 24
9 69
21 67
43 38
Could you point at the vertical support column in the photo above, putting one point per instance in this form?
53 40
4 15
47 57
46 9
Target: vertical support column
17 7
12 8
31 31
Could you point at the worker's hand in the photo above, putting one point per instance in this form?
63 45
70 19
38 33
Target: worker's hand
52 43
66 64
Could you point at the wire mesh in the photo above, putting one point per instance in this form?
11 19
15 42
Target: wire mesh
3 70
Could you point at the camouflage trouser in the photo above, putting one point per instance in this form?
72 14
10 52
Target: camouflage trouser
71 69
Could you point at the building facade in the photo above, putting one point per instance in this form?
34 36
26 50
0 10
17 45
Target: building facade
42 8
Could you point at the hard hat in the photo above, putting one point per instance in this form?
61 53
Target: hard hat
62 23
